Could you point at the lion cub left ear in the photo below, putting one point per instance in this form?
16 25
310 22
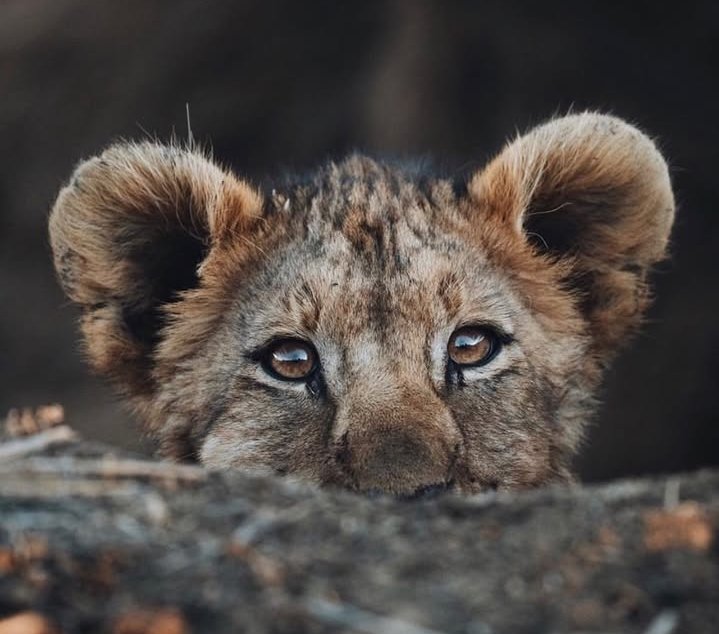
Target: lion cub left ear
591 193
130 233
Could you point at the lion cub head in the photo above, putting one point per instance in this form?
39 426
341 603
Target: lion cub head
368 326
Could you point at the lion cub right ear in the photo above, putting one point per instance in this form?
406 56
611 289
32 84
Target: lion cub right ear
128 234
592 195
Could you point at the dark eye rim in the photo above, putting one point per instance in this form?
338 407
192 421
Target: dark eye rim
263 356
496 336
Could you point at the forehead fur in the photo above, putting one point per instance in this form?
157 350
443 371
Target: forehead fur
380 209
389 241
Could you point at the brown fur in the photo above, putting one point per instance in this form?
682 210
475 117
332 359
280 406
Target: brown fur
183 272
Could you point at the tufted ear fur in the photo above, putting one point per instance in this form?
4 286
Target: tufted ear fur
128 234
591 193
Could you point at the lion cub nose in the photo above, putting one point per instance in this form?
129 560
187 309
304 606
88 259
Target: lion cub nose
401 462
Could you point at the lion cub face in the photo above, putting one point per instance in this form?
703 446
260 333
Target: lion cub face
368 327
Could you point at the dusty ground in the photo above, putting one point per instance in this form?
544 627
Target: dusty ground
94 541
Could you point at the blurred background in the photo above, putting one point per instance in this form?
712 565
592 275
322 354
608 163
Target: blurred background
287 84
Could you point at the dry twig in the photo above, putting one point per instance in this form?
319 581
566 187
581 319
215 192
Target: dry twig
26 445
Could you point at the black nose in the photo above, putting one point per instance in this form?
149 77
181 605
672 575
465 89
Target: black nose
428 491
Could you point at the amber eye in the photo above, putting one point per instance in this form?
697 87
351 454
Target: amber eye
290 359
472 346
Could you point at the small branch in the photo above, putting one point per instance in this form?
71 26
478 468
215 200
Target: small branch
34 489
26 421
359 620
24 446
109 467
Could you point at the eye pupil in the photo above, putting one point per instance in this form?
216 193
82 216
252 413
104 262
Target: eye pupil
291 359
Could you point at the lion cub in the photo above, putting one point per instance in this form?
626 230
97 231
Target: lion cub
369 326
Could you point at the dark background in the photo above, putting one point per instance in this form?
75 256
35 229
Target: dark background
287 84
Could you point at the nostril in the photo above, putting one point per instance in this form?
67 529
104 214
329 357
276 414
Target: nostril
429 491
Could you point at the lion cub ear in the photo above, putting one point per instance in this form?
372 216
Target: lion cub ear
593 193
128 234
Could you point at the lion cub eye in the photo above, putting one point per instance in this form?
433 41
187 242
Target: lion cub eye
472 346
290 359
